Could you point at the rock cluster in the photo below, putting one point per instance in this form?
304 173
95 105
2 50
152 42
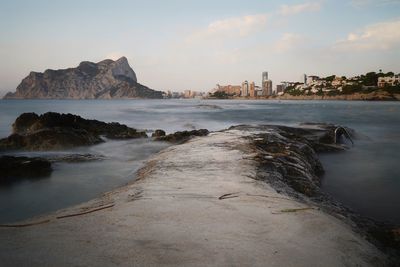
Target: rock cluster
106 79
15 168
158 133
52 131
287 156
181 136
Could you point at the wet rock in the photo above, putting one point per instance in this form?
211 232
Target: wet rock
75 158
158 133
182 136
287 156
50 139
208 106
15 168
52 131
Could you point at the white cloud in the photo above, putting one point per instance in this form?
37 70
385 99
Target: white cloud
287 10
287 42
231 27
380 36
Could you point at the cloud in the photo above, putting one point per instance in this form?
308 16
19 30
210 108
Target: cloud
231 27
362 3
379 36
287 10
287 42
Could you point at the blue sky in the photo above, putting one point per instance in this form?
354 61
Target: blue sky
178 45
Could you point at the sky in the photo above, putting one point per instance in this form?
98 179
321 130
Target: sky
186 44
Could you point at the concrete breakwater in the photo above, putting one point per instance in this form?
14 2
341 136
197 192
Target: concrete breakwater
203 203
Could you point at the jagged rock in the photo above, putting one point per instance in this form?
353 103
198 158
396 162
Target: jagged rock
58 131
158 133
182 136
14 168
287 155
105 79
75 158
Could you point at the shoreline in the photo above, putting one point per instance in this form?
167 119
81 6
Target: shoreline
173 212
373 96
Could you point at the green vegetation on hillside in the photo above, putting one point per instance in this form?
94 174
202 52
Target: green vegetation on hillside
332 85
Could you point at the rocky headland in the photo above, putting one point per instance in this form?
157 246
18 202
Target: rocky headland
106 79
245 196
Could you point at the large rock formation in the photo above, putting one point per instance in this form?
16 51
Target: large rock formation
105 80
52 131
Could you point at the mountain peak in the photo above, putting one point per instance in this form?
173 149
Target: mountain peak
105 79
121 68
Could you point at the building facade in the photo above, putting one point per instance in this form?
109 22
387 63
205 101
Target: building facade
252 89
266 84
279 88
245 88
230 89
267 88
311 78
338 81
264 77
390 80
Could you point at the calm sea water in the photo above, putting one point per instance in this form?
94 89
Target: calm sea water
365 178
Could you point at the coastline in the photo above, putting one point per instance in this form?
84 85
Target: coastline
373 96
195 203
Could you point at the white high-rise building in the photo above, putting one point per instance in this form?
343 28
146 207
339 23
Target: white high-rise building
264 76
266 84
267 88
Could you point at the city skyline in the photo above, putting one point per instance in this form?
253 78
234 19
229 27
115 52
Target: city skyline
187 44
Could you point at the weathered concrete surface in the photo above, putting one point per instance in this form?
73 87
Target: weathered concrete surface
173 216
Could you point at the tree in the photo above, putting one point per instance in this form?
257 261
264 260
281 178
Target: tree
330 78
351 89
392 89
370 79
221 95
389 74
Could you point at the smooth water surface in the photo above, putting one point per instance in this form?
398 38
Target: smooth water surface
365 178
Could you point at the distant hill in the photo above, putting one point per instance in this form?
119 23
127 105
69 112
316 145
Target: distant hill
106 79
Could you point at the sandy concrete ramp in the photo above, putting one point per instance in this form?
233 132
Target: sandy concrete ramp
195 204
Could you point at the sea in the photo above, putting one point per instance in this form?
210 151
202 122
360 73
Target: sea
366 178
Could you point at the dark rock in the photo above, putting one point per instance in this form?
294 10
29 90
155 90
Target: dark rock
106 79
76 158
50 139
182 136
208 106
58 131
14 168
158 133
287 156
